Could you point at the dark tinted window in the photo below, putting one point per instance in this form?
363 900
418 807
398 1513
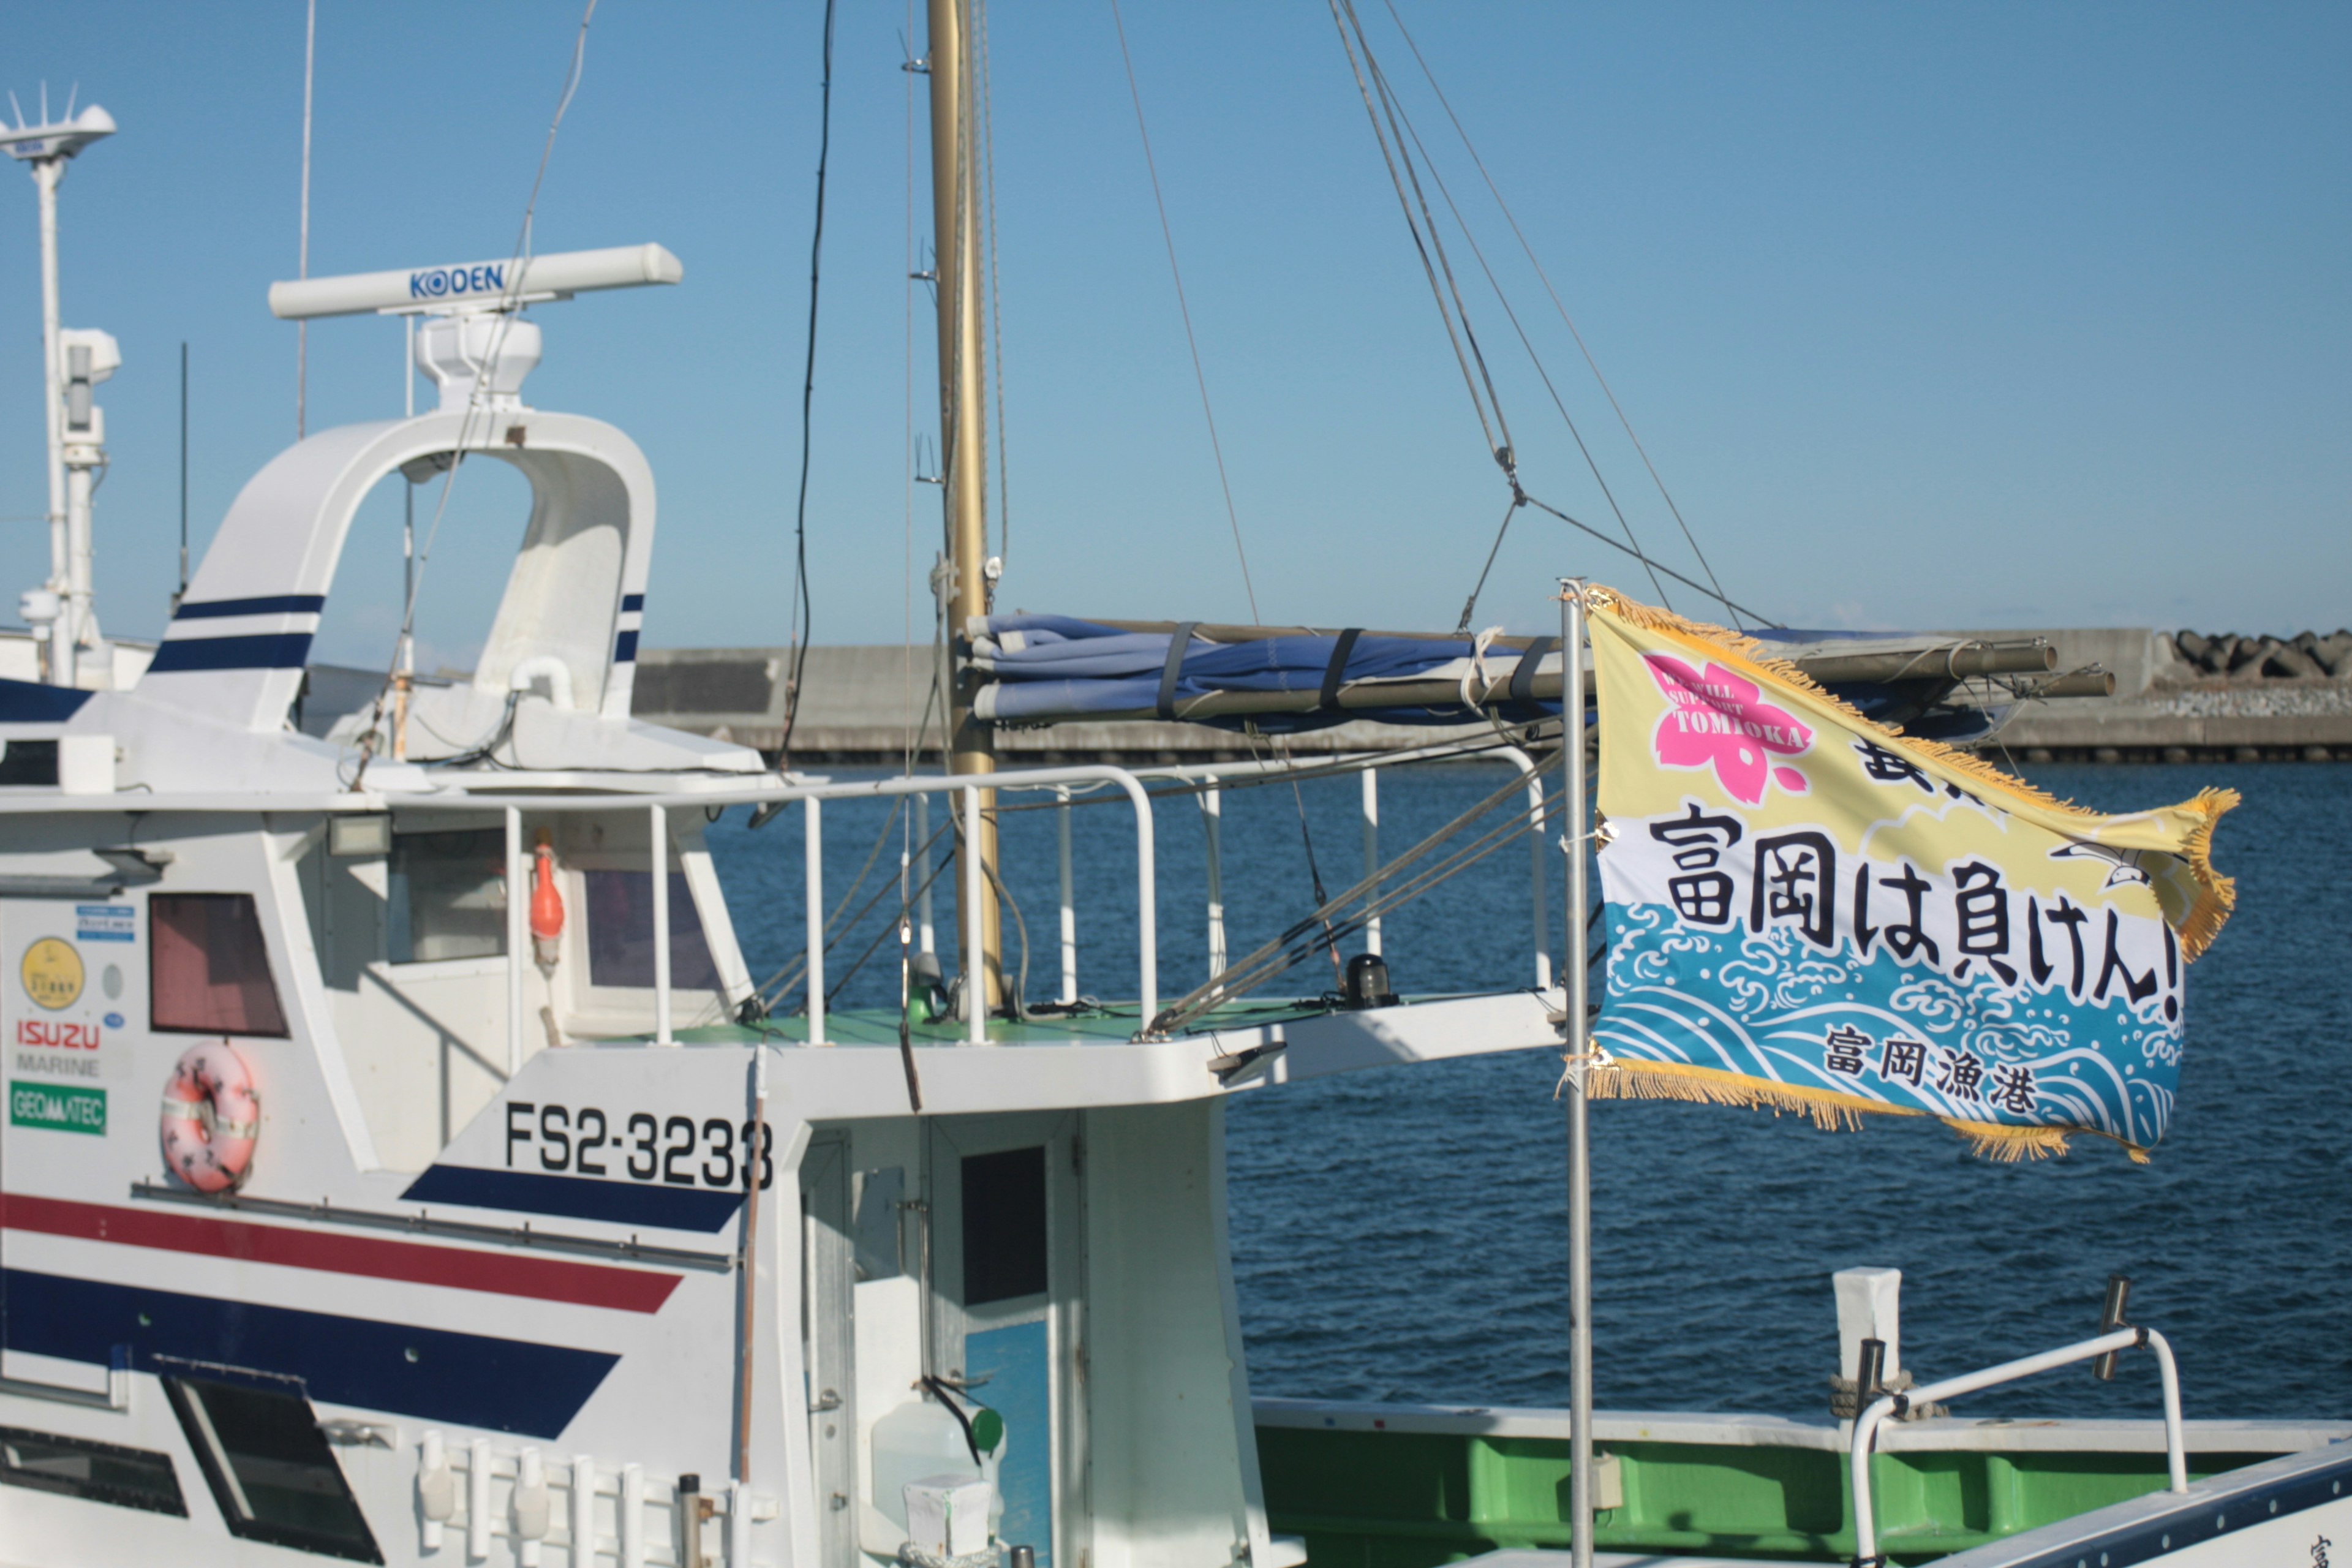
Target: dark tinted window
1003 1226
208 968
270 1470
621 933
28 763
98 1473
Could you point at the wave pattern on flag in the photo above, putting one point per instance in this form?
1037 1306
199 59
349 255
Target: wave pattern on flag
1808 911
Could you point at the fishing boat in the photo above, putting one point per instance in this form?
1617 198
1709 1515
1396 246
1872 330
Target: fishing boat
403 1165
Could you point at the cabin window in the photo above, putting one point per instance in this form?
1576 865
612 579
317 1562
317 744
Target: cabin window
95 1472
1003 1226
447 896
208 969
621 933
270 1470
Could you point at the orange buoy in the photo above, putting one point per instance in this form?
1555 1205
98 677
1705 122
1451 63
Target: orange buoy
212 1118
546 908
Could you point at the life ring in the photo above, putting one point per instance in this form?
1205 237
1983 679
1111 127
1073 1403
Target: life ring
212 1118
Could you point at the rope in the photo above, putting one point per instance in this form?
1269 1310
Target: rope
1167 234
1470 604
1395 114
803 616
1734 606
1420 244
1715 591
1544 374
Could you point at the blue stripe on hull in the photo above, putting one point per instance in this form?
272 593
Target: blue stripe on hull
433 1375
577 1197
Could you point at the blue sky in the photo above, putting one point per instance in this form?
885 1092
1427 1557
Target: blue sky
1984 315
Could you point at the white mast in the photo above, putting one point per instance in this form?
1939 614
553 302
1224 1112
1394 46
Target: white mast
64 604
1580 1047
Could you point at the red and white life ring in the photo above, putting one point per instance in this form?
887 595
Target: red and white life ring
212 1086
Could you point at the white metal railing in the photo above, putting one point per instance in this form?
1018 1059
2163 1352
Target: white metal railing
811 795
770 791
1865 1429
1539 858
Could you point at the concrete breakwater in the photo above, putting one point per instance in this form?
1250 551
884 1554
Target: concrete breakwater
2301 656
2179 696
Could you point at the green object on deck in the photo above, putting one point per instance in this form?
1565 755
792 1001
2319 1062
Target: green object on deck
1416 1499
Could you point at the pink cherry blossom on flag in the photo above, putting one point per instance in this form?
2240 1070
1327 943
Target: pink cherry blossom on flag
1721 720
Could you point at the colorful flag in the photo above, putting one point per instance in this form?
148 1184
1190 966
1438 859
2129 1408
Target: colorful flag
1808 910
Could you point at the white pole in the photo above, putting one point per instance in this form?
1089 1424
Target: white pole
1069 898
517 936
302 329
658 820
975 972
408 510
46 173
82 454
1579 1154
814 881
926 938
1539 892
1212 815
1372 852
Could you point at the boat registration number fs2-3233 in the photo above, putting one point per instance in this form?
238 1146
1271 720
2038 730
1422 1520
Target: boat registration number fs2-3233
680 1151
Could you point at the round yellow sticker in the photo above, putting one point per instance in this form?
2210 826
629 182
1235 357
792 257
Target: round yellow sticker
53 974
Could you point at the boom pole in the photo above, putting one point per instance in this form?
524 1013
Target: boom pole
955 226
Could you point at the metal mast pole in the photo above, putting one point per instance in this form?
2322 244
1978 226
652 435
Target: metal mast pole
46 173
1580 1151
955 227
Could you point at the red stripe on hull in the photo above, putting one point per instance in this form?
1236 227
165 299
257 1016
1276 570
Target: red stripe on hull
543 1279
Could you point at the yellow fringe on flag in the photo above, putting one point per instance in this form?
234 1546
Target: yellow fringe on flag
1831 1111
2216 894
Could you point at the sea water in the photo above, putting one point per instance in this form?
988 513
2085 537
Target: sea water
1401 1233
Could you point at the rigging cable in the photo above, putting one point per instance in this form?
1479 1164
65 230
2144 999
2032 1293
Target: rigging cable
1453 331
1542 372
1717 591
804 615
1168 234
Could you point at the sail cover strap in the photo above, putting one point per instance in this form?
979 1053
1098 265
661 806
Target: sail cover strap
1336 671
1523 677
1173 669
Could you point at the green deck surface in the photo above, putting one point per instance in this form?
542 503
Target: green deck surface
1414 1499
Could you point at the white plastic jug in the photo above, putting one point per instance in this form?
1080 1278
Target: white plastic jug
917 1441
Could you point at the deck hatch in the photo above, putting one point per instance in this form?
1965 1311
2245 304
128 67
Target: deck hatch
95 1472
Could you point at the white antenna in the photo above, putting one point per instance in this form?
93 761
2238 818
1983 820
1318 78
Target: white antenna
64 604
302 329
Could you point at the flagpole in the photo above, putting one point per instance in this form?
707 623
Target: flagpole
1580 1154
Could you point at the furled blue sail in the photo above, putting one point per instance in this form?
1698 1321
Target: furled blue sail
1045 669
